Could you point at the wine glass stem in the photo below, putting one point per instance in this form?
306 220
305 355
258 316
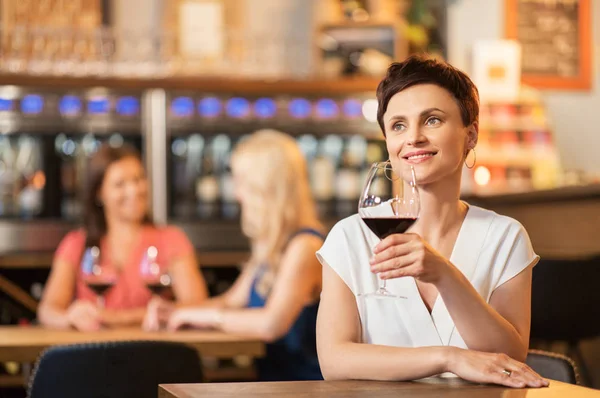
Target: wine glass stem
100 301
383 283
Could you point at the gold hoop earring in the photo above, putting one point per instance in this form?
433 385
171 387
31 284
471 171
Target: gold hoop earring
388 167
474 159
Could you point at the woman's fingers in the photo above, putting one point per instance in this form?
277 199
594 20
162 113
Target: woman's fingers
500 377
392 252
399 267
151 322
515 374
394 240
525 373
175 322
390 265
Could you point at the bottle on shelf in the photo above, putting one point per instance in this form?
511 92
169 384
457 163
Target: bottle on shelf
187 165
230 208
349 178
207 187
66 149
323 174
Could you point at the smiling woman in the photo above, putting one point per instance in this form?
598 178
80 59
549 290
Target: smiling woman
119 237
465 271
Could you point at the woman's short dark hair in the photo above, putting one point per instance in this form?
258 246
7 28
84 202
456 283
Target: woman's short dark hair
418 69
94 219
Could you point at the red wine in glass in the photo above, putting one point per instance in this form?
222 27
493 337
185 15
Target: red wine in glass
386 226
98 278
100 287
156 278
160 286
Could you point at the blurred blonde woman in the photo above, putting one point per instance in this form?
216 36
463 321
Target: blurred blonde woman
276 296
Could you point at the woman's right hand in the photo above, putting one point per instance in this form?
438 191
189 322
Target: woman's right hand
84 316
157 314
484 367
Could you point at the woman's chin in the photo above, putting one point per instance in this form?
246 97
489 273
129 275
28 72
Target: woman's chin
427 179
134 217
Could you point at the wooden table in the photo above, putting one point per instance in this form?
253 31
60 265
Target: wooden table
24 344
369 389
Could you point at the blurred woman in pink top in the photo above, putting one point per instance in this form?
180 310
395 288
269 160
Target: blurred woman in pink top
116 221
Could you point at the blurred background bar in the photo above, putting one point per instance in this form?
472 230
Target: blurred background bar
185 80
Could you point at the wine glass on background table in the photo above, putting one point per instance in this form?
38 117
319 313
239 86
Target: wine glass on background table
389 205
157 279
98 278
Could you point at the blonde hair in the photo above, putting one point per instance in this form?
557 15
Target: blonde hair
278 198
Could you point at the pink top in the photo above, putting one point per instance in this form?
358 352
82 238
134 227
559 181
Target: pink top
129 291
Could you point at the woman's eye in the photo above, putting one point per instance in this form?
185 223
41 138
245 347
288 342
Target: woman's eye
398 127
433 121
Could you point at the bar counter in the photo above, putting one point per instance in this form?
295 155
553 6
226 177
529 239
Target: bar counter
563 223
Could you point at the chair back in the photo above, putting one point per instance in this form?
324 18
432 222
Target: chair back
553 366
564 300
113 369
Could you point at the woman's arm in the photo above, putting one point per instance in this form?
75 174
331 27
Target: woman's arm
297 284
342 356
500 326
237 295
56 308
188 284
57 296
160 311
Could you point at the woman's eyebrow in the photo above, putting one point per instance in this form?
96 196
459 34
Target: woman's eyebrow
423 113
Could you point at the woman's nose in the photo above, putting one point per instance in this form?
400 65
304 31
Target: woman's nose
415 136
133 189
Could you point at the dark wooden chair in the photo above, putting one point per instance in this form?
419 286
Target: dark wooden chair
124 369
564 305
553 366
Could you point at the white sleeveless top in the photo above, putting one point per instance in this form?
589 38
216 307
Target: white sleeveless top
490 250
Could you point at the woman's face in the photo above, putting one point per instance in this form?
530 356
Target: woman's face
424 129
250 202
124 191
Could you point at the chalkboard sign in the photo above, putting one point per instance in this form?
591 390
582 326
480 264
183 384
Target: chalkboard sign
555 40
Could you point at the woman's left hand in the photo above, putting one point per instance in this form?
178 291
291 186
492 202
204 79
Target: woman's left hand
408 254
203 318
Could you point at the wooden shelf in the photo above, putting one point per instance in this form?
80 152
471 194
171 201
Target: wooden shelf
207 84
12 381
222 259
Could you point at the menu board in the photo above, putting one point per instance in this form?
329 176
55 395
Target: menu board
555 40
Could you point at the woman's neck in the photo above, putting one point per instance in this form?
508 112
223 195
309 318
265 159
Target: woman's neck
442 211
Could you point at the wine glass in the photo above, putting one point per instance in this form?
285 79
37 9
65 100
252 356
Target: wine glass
388 205
157 280
99 279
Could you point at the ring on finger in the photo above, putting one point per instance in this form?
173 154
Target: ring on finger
507 372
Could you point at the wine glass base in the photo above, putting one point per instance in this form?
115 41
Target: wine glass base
381 293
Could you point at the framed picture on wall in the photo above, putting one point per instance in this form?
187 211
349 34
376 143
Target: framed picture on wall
555 36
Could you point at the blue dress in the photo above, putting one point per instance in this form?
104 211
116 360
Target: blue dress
294 356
